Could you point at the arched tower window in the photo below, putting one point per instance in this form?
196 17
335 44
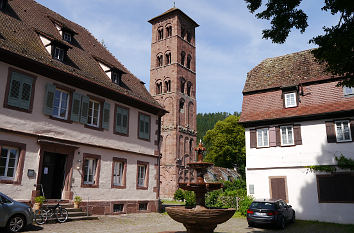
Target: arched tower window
189 59
168 58
169 30
183 32
159 60
190 146
189 37
183 57
160 33
183 82
181 105
189 88
158 87
167 86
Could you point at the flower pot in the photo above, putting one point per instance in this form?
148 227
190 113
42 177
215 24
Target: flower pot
76 205
37 206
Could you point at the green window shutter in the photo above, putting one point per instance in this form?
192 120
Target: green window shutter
125 115
84 109
105 120
49 99
20 91
144 126
122 120
75 108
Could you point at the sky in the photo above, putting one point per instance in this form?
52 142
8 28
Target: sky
228 41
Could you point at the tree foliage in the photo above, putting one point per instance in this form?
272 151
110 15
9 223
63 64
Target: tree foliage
225 144
335 47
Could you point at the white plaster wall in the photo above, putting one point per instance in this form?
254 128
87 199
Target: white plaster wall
40 124
302 195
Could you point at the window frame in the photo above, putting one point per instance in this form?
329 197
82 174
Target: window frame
295 99
7 90
336 132
139 137
292 135
115 130
62 52
146 178
160 34
60 102
101 102
96 178
124 173
66 36
70 91
262 130
17 179
9 148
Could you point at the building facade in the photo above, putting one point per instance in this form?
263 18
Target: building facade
73 119
295 116
173 85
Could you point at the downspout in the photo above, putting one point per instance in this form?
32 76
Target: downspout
158 162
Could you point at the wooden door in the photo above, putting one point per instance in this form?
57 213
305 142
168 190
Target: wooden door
278 188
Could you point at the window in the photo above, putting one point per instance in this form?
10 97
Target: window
290 100
168 58
159 60
142 175
143 206
60 106
119 173
19 91
189 88
181 105
3 4
183 57
91 170
189 59
116 77
183 33
262 137
94 113
169 31
160 34
144 126
158 88
67 37
343 133
287 135
348 91
336 188
183 82
168 86
189 37
8 162
122 120
58 53
251 189
118 208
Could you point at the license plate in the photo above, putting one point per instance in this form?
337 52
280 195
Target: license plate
259 214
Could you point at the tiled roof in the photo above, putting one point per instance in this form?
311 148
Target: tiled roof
171 11
215 174
285 71
20 25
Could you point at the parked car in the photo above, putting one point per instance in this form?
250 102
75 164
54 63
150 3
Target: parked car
274 212
14 215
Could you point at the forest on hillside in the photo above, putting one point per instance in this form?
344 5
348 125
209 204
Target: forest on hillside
206 121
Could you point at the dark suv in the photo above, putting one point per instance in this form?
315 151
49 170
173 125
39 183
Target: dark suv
274 212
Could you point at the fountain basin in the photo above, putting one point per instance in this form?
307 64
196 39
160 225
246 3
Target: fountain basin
200 219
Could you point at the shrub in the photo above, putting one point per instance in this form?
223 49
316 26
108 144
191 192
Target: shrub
77 199
179 195
39 199
189 197
244 204
211 198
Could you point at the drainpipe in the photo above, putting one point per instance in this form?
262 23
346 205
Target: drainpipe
158 159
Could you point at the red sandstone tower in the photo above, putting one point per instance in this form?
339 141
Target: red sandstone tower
173 85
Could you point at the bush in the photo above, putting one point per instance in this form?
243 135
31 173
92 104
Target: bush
244 204
179 195
39 199
211 198
189 197
77 199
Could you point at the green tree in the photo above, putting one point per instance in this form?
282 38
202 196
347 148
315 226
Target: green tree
335 47
225 144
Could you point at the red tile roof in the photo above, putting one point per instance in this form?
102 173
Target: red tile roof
20 24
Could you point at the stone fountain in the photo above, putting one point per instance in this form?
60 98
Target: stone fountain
200 219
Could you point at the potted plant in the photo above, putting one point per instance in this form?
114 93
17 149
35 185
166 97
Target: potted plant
38 201
77 201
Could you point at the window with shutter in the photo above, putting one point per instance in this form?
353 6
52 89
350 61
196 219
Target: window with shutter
144 126
106 112
253 138
287 135
75 107
336 188
263 137
342 129
84 109
122 120
20 91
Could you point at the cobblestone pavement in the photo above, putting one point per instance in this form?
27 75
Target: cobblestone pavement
154 222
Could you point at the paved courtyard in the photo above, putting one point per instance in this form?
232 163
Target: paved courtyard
154 222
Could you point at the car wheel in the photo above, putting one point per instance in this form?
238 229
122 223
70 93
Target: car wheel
281 223
251 224
15 223
293 218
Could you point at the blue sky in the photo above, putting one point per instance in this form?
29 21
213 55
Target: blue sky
228 41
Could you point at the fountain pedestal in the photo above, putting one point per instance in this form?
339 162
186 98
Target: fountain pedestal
200 219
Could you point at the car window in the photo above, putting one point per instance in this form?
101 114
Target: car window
262 205
4 200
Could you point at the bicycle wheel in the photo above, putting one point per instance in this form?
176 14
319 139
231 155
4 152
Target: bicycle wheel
62 214
40 216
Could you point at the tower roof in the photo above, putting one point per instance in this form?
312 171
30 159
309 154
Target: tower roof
170 12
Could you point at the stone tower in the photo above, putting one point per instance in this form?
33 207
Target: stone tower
173 85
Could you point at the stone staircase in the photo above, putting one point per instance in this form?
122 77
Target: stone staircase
75 214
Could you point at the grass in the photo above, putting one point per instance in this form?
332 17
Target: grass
238 215
172 202
346 227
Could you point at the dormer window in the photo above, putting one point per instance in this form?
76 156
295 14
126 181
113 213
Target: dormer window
116 77
58 53
290 100
67 37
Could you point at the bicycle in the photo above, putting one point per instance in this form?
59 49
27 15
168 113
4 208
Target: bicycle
45 212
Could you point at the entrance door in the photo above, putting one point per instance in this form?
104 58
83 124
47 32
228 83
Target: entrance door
278 188
53 173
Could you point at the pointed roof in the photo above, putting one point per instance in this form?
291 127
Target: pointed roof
171 11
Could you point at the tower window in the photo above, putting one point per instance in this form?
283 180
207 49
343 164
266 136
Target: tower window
189 88
183 33
3 4
169 31
168 86
168 58
189 59
160 33
189 37
183 57
158 88
183 82
159 60
181 105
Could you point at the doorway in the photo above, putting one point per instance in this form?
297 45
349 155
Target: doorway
278 188
52 175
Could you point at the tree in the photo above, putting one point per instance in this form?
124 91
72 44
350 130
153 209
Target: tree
225 144
335 47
